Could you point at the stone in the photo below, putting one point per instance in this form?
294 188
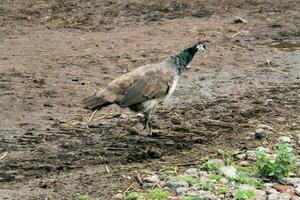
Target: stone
291 181
217 162
251 155
181 190
239 20
284 139
260 195
148 185
260 133
206 195
176 184
279 197
241 156
118 196
228 171
246 187
192 172
223 180
266 127
297 190
202 173
152 178
283 188
271 191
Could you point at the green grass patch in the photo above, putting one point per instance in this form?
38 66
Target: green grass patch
133 196
189 179
216 177
222 190
278 168
243 179
208 166
157 194
245 194
189 198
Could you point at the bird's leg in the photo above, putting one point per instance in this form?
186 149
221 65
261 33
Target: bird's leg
147 123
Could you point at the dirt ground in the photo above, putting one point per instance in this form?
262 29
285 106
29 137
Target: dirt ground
54 53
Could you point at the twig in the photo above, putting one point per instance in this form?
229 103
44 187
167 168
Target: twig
91 117
128 59
5 153
236 34
107 170
124 193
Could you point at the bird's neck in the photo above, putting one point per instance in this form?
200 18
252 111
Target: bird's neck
181 60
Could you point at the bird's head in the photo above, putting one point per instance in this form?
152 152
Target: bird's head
201 46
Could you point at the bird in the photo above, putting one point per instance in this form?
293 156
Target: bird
145 87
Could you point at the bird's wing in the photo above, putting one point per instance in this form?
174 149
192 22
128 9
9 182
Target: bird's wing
142 85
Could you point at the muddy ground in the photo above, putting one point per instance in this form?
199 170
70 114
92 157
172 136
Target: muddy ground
54 53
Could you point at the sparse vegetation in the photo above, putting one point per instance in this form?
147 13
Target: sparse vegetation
133 196
189 198
228 157
243 179
83 197
216 177
278 168
222 190
157 194
207 166
245 194
190 180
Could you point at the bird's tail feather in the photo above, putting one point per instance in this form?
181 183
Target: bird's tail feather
94 102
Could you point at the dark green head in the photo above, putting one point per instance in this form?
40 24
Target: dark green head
182 59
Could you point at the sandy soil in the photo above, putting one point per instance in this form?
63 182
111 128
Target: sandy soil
54 53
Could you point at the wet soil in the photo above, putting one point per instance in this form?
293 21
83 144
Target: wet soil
55 53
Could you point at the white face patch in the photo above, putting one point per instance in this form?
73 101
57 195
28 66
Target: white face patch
201 47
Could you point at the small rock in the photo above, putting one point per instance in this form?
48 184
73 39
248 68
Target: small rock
263 126
223 180
181 190
241 156
279 197
202 173
246 187
271 191
294 126
118 196
260 133
228 171
251 155
244 163
283 188
239 20
192 172
217 162
176 184
148 185
206 195
297 190
152 179
284 139
260 194
291 181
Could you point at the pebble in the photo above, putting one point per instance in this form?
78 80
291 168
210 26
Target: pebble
260 195
152 179
279 197
251 155
176 184
202 173
271 191
241 156
181 190
118 196
148 185
218 162
284 139
291 181
192 172
238 20
297 190
260 133
206 195
228 171
246 187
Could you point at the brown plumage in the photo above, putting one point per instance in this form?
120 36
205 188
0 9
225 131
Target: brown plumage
145 87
